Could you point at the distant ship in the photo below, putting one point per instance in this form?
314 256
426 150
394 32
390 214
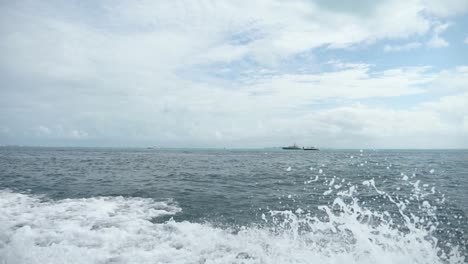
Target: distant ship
293 147
310 148
152 147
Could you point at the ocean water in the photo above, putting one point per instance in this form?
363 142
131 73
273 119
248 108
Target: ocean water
97 205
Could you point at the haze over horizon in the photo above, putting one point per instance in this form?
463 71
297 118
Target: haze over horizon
366 74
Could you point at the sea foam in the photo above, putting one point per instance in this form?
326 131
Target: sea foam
34 229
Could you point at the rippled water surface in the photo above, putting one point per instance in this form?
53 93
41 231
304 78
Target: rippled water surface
84 205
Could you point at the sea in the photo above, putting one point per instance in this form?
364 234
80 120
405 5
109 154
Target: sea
138 205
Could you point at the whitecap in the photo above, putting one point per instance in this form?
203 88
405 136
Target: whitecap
120 230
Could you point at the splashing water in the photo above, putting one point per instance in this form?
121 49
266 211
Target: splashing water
123 230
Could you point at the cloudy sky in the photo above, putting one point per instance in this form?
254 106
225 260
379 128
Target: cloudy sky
340 74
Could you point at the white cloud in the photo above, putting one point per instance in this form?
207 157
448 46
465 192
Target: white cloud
404 47
281 108
6 131
348 82
43 131
466 40
77 134
451 81
445 8
384 127
121 75
58 131
164 34
437 41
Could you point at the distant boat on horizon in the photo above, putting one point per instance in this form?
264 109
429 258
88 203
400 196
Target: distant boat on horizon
310 148
293 147
154 147
296 147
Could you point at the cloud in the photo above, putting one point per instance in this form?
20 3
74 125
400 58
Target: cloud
58 131
382 127
350 81
6 131
445 8
404 47
450 80
281 108
42 131
466 40
436 41
182 73
169 35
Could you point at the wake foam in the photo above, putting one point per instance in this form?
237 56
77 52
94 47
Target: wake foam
120 230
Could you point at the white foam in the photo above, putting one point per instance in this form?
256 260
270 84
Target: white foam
76 230
119 230
372 183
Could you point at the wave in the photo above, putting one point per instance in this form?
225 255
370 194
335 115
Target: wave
34 229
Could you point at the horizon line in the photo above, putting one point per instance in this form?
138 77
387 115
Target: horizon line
216 148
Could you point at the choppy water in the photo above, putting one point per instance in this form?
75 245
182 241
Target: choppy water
75 205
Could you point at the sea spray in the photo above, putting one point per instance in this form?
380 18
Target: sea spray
121 230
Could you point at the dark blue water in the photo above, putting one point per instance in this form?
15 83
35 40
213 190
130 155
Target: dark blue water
238 190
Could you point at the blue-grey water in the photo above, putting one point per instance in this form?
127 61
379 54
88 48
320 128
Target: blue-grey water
106 205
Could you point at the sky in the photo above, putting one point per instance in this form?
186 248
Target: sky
327 73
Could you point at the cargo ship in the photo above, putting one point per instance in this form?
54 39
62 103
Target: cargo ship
293 147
